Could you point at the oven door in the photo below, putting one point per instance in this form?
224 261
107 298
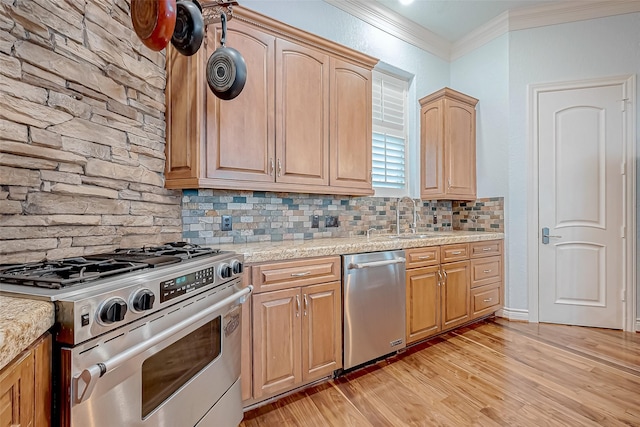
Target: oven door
169 369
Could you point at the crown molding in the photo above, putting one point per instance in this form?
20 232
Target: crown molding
520 19
561 13
480 36
395 24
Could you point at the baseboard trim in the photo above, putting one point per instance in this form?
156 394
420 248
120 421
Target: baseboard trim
514 314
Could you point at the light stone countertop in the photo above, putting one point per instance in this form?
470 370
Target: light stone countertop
22 321
291 249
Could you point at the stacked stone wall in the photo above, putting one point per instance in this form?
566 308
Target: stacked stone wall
82 132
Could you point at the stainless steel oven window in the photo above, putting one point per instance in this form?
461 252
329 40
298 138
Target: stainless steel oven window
165 372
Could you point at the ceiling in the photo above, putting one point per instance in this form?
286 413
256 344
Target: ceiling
453 19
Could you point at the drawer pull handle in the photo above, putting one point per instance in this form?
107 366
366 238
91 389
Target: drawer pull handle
424 257
486 249
304 273
456 252
488 300
487 271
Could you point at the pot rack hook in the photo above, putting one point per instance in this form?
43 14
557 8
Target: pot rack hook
223 20
212 10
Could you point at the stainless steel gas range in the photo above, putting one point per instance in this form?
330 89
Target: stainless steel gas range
143 337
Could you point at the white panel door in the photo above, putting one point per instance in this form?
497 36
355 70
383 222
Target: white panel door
581 203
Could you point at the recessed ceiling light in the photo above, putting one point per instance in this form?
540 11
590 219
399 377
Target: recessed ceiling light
405 2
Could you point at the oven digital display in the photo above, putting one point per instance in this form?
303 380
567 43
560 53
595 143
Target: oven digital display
178 286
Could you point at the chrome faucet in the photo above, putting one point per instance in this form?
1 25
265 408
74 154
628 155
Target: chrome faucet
370 230
413 224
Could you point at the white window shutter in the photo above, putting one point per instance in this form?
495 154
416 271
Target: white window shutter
389 132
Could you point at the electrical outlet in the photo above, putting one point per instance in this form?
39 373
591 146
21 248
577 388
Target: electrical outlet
330 221
315 221
226 223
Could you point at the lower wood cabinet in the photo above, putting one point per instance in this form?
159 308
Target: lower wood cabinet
297 337
423 303
487 282
454 301
25 387
451 285
437 299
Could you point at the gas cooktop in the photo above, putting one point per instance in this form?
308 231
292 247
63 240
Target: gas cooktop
74 271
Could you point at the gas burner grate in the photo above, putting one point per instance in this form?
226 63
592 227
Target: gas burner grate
66 272
183 250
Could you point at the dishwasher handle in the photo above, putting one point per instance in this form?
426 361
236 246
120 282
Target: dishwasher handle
358 266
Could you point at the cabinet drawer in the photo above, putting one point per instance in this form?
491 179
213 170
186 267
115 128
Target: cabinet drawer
486 300
486 270
286 274
422 257
482 249
458 252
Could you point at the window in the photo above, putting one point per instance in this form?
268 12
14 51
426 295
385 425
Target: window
389 135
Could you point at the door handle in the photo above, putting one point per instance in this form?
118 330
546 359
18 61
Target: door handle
546 236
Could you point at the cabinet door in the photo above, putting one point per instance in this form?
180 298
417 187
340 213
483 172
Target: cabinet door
455 294
432 150
423 303
350 145
240 132
302 114
460 149
185 135
321 330
17 399
276 341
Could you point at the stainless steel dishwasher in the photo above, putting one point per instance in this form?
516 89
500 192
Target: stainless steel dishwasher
374 305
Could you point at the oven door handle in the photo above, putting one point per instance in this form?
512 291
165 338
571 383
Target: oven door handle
85 382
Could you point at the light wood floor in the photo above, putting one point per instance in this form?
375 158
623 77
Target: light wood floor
494 373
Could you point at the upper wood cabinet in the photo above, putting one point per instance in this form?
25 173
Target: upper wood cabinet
302 114
448 146
351 137
302 122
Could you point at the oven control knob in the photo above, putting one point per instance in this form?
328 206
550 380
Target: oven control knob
143 300
225 271
113 310
236 266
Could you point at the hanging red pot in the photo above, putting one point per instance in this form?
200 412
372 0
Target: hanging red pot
154 21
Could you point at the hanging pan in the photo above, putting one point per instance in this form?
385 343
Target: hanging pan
226 69
189 32
154 21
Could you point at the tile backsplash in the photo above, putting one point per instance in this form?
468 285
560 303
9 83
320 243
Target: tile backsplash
479 215
264 216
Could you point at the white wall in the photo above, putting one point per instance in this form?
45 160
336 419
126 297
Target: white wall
430 73
498 74
484 74
580 50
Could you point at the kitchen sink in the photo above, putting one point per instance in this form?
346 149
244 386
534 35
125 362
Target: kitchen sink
410 236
